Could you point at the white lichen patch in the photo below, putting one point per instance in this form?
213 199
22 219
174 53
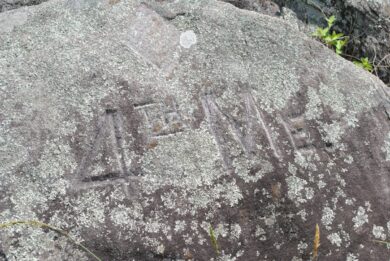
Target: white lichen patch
275 91
127 218
243 168
335 239
321 184
296 189
118 194
352 257
349 159
259 231
349 201
89 208
367 204
306 160
270 221
379 232
339 194
309 192
302 246
187 39
327 217
345 236
188 239
332 133
26 199
360 219
37 243
175 161
313 107
160 249
351 120
333 98
225 257
180 226
292 169
201 198
169 199
303 214
48 179
120 215
155 244
235 232
340 180
154 225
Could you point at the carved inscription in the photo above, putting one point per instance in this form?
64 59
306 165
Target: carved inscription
255 125
161 119
297 133
255 115
105 159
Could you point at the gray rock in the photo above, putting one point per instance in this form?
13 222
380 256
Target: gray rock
135 127
6 5
262 6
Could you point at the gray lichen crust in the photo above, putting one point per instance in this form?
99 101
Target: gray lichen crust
138 126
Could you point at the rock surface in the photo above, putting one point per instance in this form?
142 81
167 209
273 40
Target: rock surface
262 6
137 126
6 5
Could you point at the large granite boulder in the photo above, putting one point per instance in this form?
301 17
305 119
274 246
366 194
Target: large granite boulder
136 127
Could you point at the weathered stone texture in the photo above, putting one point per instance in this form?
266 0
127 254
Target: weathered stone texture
262 6
6 5
137 126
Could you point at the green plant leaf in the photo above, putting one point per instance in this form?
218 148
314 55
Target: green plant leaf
364 63
367 65
336 36
328 40
321 32
339 45
331 21
338 41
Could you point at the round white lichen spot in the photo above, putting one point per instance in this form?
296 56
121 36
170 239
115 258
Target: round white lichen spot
187 39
